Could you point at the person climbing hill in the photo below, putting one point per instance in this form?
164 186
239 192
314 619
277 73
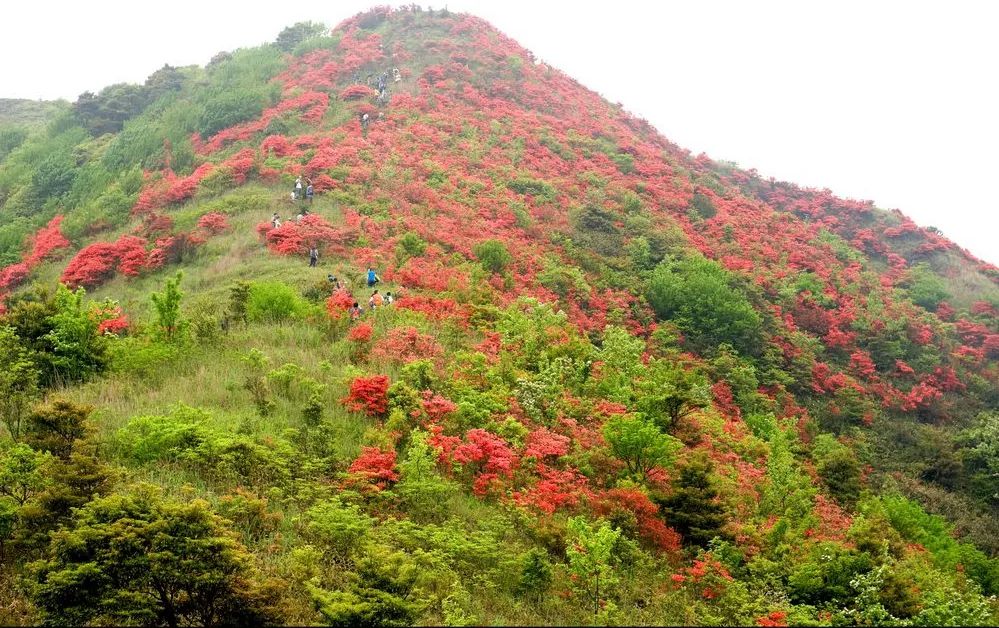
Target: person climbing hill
354 311
298 188
373 277
375 301
309 192
388 298
313 256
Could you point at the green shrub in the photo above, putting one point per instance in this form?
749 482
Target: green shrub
925 287
493 255
231 107
163 437
274 301
541 189
698 295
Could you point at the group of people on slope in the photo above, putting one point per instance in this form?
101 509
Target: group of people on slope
375 301
298 194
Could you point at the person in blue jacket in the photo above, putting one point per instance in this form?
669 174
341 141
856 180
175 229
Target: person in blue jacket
373 277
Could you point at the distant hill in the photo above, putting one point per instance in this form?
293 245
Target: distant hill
617 383
19 111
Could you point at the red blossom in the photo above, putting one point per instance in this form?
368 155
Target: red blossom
375 466
368 394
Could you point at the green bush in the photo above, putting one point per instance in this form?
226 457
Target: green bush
229 108
698 295
115 562
838 467
925 287
493 255
274 301
163 437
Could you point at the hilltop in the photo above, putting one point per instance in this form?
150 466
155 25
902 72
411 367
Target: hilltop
618 382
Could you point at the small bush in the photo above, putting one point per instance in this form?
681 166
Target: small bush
274 301
493 255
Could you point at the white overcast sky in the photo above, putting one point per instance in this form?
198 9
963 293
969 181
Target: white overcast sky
893 101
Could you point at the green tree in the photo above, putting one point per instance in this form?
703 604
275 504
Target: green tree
139 559
21 473
621 354
638 442
167 306
589 550
535 574
838 467
669 392
787 490
699 295
239 296
980 455
493 255
692 508
379 594
76 349
337 527
55 426
68 484
295 34
18 380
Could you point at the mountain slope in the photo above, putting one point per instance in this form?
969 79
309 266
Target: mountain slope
619 382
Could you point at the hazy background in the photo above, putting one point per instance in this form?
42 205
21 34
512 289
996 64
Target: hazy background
891 101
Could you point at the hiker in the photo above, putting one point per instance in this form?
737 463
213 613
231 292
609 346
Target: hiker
275 221
309 192
388 298
354 311
333 280
299 217
375 300
373 277
364 121
396 75
298 187
313 257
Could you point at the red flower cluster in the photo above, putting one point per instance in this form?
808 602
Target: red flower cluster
375 466
99 262
360 333
369 394
405 344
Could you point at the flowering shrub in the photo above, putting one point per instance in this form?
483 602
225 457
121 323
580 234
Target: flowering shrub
405 344
356 92
45 242
213 223
375 466
338 304
360 333
369 395
542 443
99 262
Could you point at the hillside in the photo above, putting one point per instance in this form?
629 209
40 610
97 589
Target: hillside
618 382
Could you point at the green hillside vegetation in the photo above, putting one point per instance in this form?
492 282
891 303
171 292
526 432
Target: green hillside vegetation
618 384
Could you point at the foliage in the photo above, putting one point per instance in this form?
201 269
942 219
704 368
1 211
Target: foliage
140 558
289 37
591 562
167 304
273 301
638 442
838 467
692 508
55 427
697 294
493 256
